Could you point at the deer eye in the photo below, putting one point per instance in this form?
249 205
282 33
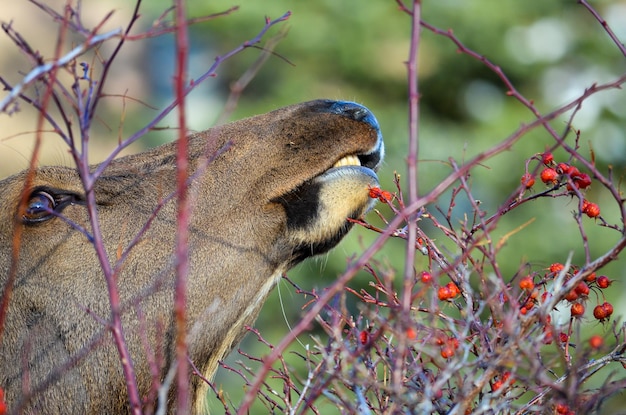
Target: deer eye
43 205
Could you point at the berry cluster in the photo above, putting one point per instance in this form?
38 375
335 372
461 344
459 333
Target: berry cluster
491 321
562 174
448 291
501 380
448 345
576 297
563 409
383 195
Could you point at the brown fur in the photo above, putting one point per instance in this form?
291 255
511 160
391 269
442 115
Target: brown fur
266 202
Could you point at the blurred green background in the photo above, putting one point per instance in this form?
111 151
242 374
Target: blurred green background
356 50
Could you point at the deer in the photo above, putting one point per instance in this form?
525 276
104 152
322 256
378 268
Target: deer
267 192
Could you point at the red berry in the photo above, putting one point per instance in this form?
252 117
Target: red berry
556 268
375 192
547 158
548 335
454 289
582 180
447 351
573 171
426 277
562 168
528 180
563 337
599 313
577 310
527 283
579 180
582 289
385 196
596 341
364 336
591 277
591 209
549 176
584 205
454 342
603 281
608 308
561 408
444 293
571 296
497 385
411 333
382 195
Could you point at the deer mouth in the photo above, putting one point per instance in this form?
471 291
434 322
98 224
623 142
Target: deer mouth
351 160
352 165
364 163
370 161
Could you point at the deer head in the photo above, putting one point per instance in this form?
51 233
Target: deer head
267 192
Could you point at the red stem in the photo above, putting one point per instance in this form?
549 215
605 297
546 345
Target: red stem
412 72
110 274
184 212
409 272
605 25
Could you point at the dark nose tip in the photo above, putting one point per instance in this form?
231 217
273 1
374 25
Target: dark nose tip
354 111
350 109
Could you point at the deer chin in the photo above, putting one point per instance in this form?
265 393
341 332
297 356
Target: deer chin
318 210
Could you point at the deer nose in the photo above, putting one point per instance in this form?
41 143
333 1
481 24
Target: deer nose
357 112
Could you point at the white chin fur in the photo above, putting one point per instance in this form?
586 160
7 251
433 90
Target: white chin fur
344 191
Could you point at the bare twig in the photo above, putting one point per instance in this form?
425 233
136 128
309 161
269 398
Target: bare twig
43 70
605 26
184 212
191 86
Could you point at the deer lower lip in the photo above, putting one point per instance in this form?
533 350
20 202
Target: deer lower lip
348 171
351 165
